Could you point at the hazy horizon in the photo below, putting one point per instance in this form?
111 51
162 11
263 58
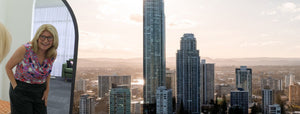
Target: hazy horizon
223 29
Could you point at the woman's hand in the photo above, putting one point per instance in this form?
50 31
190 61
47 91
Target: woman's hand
15 59
45 96
14 86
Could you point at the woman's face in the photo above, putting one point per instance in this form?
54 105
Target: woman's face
45 41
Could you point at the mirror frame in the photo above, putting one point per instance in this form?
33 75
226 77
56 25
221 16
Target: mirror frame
75 53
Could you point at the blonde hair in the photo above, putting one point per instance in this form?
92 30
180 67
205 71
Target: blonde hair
51 52
5 41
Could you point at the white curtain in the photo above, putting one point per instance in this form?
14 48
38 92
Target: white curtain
59 17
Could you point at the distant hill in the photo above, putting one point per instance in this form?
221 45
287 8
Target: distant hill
171 62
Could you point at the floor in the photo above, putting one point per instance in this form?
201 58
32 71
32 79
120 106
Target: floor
59 96
4 107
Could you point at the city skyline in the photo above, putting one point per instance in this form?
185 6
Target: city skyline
230 29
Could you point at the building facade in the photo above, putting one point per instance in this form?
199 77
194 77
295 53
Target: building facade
154 63
136 107
270 83
164 100
87 104
119 101
244 80
294 94
274 109
188 75
239 99
267 99
207 81
289 80
171 81
81 86
105 83
224 89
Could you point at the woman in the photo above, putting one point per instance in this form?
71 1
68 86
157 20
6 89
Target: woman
5 41
30 83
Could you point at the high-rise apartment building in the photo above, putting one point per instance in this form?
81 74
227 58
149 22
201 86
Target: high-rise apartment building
207 81
136 107
239 99
105 83
119 101
274 109
224 89
87 104
244 80
294 94
171 81
188 75
154 58
267 99
270 83
289 80
81 85
164 100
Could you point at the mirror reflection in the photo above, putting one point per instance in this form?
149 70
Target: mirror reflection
57 14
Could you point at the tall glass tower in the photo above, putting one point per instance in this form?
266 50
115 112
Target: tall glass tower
244 80
154 63
188 75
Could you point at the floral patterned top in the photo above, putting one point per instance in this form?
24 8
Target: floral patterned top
29 70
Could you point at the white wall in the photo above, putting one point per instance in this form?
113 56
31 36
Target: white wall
2 11
17 18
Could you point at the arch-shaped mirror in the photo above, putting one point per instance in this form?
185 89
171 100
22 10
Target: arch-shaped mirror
59 14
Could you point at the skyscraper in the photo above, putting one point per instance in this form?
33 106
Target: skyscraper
105 83
164 100
267 99
171 81
274 109
244 80
87 104
188 75
294 94
270 83
83 104
207 81
136 107
289 80
154 63
239 99
81 85
119 101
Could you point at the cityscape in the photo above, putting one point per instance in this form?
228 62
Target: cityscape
186 84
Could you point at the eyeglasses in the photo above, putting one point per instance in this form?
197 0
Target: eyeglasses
49 38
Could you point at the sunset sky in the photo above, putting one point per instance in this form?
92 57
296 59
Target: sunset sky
223 28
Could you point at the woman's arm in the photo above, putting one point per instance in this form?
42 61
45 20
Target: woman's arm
16 58
46 92
48 83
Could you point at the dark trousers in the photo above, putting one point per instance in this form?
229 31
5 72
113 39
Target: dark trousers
27 98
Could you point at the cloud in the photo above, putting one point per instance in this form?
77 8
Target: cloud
180 23
289 7
268 12
297 18
125 11
136 18
275 20
91 40
264 35
261 44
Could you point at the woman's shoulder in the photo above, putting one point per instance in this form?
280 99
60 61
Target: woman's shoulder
28 45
